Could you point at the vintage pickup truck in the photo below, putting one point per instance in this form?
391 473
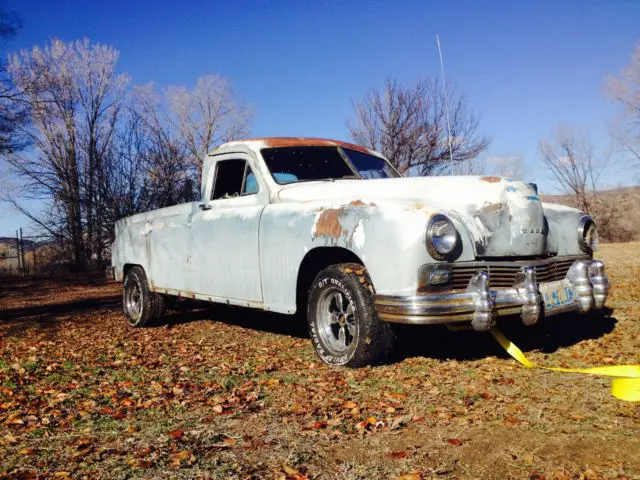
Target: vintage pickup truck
331 230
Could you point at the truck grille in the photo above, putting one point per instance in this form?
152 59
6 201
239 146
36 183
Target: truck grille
505 274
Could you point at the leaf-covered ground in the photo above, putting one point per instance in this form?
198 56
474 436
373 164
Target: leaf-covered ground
233 393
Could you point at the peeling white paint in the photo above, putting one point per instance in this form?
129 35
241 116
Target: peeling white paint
358 236
315 223
478 230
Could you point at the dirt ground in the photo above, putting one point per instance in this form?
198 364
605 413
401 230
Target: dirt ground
232 393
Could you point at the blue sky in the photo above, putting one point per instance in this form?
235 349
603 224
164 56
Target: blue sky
524 66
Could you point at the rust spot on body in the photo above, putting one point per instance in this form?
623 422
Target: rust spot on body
490 208
341 224
328 224
490 179
360 203
416 206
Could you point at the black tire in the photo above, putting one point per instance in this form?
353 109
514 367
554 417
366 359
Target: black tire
364 339
142 307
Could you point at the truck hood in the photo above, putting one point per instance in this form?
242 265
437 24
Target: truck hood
504 217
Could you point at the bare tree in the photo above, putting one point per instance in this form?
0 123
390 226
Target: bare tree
172 173
13 113
577 167
208 115
180 126
101 153
74 95
573 162
625 88
409 126
129 190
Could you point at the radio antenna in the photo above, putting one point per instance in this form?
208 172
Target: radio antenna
446 104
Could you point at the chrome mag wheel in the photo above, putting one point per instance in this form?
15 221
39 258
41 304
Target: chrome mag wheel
134 299
336 321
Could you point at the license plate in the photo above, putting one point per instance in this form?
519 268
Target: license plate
556 294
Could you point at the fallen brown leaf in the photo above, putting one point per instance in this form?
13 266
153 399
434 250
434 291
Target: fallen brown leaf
289 470
410 476
398 455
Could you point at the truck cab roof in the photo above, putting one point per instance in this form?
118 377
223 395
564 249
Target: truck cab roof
258 143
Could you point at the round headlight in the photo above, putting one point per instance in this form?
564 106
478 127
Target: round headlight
442 237
587 234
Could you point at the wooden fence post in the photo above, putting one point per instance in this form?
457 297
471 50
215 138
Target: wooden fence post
18 252
24 264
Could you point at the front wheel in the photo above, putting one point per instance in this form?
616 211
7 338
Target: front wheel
141 306
343 324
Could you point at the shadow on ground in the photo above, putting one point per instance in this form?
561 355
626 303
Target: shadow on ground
547 337
18 286
424 341
47 316
291 325
413 341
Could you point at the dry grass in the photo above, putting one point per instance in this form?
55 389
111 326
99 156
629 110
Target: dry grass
244 396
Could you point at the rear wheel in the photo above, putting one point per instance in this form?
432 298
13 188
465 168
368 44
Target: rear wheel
142 307
343 324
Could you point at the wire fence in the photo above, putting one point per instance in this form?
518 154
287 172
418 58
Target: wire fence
30 255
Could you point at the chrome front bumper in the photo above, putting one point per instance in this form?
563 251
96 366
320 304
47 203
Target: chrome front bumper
481 305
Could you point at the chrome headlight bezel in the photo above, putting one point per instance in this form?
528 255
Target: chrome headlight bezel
441 246
587 234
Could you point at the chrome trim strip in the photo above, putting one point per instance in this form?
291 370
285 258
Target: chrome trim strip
521 263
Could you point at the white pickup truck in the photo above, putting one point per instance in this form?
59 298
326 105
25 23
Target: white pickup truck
332 230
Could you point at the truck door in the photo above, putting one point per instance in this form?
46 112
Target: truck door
225 261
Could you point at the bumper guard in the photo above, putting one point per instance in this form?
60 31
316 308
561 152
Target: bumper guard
482 306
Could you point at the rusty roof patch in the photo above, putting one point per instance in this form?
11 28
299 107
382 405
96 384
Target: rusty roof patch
490 179
275 142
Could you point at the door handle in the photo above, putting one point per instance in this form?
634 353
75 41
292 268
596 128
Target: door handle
205 206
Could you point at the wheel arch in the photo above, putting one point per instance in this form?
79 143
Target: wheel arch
314 261
128 266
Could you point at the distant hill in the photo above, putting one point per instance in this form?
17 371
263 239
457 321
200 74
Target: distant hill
617 214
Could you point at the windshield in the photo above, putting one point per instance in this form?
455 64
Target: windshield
300 164
370 166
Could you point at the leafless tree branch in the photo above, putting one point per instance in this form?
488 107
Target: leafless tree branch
408 125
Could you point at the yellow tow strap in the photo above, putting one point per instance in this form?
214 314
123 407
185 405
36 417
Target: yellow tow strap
625 385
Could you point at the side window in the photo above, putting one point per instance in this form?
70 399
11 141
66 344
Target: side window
232 179
250 183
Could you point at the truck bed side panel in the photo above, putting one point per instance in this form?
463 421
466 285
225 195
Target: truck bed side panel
158 241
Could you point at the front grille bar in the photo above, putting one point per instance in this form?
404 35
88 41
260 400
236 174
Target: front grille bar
505 274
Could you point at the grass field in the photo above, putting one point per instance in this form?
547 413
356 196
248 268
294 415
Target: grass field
232 393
